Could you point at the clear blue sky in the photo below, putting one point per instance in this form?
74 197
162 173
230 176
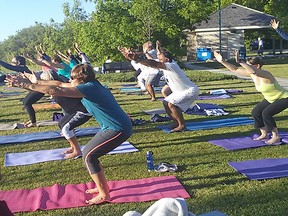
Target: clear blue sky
18 14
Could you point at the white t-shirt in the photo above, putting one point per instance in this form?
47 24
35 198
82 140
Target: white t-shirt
176 78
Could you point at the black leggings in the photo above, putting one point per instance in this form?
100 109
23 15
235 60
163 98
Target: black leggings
102 143
31 98
264 111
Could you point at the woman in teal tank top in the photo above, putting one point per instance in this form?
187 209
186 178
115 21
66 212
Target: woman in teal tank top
116 126
275 96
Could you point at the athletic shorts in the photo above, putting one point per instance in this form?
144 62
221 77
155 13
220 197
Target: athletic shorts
154 79
183 99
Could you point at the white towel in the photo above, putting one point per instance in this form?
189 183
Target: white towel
164 207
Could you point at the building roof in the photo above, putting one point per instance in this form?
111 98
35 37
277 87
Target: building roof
235 17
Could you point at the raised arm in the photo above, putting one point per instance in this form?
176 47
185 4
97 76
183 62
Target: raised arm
130 55
51 64
275 25
54 90
229 66
62 56
32 60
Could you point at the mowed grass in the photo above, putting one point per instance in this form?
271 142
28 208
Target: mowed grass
203 168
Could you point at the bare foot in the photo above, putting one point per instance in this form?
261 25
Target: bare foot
98 199
173 125
68 151
262 136
273 141
153 99
178 129
74 155
92 191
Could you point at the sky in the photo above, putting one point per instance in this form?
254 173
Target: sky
18 14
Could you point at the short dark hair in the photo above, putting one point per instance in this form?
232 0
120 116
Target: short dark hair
20 59
57 59
256 60
168 55
83 72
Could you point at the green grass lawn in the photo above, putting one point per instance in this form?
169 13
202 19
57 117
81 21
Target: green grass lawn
203 168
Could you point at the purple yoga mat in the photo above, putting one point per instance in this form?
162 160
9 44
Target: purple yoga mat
263 168
73 195
213 97
245 142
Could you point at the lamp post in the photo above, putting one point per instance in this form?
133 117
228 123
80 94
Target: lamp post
219 22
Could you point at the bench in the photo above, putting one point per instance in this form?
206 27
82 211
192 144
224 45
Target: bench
117 66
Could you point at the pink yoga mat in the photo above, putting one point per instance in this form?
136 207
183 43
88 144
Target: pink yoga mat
73 195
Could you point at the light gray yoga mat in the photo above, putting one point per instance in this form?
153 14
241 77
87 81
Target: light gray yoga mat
25 158
12 126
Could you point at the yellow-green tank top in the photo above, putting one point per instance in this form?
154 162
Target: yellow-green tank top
272 92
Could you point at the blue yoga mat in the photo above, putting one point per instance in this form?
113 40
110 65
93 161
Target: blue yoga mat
46 135
25 158
132 89
210 124
263 168
214 213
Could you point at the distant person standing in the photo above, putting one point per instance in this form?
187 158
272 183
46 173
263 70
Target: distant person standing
275 25
260 46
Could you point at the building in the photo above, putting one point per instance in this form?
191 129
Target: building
235 19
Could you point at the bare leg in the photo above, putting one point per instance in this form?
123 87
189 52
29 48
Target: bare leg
275 137
151 92
75 147
176 114
101 187
263 134
166 91
169 113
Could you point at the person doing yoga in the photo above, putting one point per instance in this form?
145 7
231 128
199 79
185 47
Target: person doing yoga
179 93
64 70
18 64
275 97
116 126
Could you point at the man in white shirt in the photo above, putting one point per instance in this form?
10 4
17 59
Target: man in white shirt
180 92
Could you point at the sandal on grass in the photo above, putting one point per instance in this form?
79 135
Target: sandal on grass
165 167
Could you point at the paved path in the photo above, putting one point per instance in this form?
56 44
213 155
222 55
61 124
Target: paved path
282 81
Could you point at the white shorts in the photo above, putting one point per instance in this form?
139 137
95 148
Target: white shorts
183 99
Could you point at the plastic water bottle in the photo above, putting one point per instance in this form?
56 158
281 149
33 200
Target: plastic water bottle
150 161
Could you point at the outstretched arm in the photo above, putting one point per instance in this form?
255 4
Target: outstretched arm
130 55
55 65
275 25
34 61
54 90
14 68
229 66
62 56
33 79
